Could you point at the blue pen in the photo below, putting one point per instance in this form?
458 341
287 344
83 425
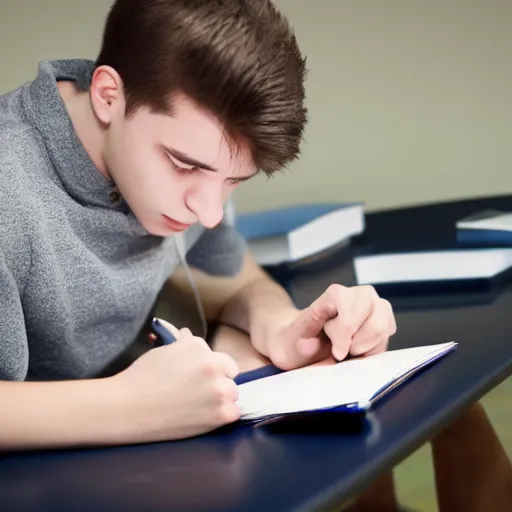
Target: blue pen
162 334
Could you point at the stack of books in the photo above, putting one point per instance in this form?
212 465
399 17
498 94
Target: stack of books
294 233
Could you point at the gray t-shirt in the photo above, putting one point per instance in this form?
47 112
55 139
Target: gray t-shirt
78 274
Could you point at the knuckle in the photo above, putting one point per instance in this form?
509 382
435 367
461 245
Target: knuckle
370 345
209 368
223 391
316 314
227 414
369 290
390 327
379 326
280 357
335 290
198 342
357 349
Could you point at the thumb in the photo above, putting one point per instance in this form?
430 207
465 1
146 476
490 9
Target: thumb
228 364
311 321
304 341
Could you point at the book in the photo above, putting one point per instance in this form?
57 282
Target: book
486 227
438 268
352 385
292 233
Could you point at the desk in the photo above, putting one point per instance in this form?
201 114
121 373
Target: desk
252 470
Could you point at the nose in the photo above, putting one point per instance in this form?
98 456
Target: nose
207 204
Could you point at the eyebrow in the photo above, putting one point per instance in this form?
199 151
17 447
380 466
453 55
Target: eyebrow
187 160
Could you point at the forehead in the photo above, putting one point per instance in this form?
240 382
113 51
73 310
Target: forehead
194 131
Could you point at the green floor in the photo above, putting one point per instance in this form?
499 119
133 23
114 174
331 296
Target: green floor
415 477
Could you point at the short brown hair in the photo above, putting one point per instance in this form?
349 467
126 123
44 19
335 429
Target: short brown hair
239 59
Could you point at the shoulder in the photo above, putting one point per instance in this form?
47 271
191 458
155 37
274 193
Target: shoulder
17 135
17 140
12 118
20 143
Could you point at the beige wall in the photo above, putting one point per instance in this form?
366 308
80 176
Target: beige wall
410 101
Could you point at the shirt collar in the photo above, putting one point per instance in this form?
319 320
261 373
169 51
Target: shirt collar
45 109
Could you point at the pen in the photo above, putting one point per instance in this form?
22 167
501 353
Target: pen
161 335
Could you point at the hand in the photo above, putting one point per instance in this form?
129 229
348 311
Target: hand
179 390
342 321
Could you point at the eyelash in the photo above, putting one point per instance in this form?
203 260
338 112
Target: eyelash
184 170
192 170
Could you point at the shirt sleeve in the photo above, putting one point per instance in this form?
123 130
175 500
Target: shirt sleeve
13 337
219 251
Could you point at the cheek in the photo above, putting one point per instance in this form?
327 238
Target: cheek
145 167
141 172
125 150
138 151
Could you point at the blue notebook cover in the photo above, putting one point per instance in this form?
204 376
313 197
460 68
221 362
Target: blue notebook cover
280 221
494 234
493 237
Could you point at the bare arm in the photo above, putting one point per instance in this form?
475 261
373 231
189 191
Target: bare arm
58 414
250 300
170 392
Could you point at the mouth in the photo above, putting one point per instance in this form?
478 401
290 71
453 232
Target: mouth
174 225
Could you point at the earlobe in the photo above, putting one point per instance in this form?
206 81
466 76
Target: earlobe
106 93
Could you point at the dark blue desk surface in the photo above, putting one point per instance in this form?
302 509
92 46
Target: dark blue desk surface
253 470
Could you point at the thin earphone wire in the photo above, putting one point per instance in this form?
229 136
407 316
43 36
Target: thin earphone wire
179 244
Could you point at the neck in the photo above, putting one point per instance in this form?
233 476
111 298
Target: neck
88 128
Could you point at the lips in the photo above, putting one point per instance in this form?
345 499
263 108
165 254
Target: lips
174 224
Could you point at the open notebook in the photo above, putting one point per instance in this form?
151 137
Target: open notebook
352 385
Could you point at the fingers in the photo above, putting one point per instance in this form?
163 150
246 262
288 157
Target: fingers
364 322
373 336
223 362
180 334
186 333
226 391
227 364
311 320
354 306
301 352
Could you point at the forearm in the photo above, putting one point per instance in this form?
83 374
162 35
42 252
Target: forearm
39 415
249 301
256 307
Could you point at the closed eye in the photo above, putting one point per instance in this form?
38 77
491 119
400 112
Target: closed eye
186 170
237 181
184 167
181 166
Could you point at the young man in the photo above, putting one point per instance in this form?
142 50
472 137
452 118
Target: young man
111 174
107 169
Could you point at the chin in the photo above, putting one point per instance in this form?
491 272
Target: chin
157 230
152 228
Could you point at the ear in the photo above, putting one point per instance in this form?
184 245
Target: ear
106 92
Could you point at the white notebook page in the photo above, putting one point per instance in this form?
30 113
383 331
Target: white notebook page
319 387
